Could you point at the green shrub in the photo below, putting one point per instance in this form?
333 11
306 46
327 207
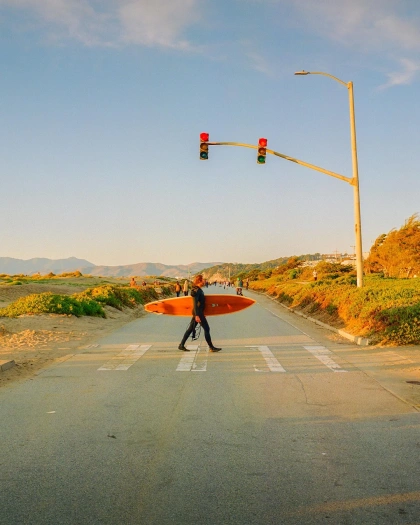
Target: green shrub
168 290
48 302
108 294
401 324
119 296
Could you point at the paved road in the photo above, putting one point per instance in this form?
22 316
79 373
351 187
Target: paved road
284 426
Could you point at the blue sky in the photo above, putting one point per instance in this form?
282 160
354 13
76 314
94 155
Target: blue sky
102 103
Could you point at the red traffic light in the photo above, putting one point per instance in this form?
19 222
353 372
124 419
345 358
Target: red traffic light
262 151
204 147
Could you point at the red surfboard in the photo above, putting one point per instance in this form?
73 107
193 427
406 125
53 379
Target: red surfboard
215 305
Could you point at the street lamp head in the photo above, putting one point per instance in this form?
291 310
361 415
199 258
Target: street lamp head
303 72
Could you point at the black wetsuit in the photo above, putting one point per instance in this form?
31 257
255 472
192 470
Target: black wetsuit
198 310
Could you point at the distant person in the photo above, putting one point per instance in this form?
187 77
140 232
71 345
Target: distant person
315 275
239 285
199 302
247 284
133 283
185 287
177 288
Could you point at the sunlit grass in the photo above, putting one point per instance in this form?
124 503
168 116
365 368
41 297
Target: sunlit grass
385 310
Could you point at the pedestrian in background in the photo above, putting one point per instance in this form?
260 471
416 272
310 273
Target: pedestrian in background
177 288
185 287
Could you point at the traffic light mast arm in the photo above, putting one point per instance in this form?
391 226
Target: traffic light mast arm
301 162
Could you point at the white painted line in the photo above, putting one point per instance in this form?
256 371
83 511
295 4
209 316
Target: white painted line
287 322
202 365
126 358
187 360
323 354
271 361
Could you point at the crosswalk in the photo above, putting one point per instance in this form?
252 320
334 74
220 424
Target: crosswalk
269 358
189 361
196 360
324 355
126 358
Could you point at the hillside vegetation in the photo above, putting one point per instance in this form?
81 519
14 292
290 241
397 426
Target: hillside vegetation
251 271
387 311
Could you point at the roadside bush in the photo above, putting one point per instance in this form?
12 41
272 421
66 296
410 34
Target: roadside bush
119 296
401 324
50 303
168 290
385 310
108 294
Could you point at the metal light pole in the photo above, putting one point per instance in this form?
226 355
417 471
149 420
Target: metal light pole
355 179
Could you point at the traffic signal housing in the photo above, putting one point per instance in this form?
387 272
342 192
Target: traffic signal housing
204 147
262 150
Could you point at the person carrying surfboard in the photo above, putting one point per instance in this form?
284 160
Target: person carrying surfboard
199 302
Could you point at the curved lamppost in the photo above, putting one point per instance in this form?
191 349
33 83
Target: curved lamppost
355 180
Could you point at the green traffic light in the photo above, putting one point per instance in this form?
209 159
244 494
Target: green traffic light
204 155
261 159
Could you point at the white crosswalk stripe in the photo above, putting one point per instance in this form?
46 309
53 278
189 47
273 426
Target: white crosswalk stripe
126 358
323 354
200 361
272 362
187 360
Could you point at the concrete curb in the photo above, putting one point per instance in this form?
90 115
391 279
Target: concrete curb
5 365
361 341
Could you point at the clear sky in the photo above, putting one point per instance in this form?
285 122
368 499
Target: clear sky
102 103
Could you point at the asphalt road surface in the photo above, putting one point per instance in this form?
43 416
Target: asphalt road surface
281 427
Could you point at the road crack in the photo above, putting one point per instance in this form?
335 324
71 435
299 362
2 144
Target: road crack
306 395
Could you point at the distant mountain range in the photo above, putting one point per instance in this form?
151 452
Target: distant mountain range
12 266
16 266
